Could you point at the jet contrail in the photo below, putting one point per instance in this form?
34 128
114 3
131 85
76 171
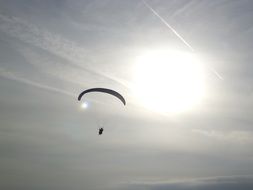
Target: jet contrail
167 24
177 34
216 73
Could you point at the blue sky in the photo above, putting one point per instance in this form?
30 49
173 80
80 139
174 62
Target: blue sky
52 50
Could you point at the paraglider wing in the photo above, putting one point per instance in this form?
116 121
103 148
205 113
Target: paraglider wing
104 90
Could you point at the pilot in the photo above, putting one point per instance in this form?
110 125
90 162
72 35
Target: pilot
100 131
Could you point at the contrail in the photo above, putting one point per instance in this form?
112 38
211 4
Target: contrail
216 73
169 26
177 34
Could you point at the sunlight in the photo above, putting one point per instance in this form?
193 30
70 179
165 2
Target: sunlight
168 81
84 105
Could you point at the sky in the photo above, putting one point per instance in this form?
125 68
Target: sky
52 50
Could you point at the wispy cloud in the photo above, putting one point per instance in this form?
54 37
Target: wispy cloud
55 44
16 77
59 69
44 39
233 136
212 183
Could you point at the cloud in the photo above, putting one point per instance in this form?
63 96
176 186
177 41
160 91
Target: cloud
72 52
43 39
15 76
59 68
214 183
235 136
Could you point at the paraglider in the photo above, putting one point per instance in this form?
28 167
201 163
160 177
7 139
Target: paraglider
103 90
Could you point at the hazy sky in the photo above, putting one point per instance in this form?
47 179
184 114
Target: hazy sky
51 50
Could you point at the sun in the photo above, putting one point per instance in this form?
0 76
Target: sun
168 81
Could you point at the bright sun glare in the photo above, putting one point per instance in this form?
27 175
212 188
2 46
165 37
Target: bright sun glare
84 105
168 81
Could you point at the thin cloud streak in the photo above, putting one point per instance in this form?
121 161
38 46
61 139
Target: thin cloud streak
211 183
232 136
54 44
15 77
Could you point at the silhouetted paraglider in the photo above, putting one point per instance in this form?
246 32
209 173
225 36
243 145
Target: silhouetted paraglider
103 90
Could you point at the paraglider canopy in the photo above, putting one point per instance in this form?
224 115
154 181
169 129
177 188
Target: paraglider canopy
103 90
